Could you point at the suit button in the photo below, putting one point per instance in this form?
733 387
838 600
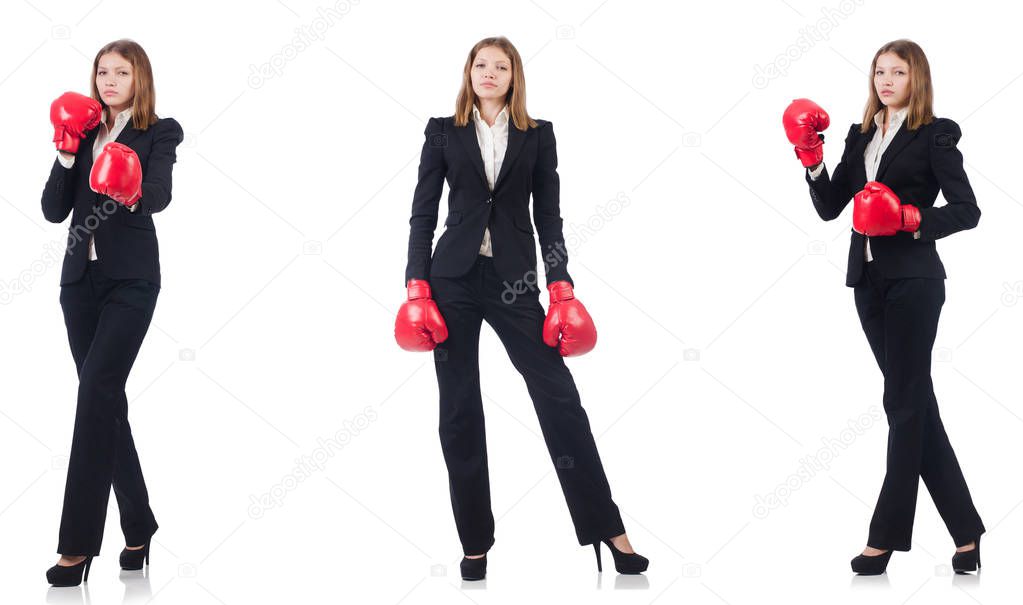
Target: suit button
490 199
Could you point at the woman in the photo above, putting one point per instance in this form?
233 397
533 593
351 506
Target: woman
112 173
895 162
494 156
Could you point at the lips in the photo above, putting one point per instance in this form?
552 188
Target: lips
109 92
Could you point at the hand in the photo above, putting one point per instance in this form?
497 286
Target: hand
877 211
72 115
117 174
568 326
419 325
804 120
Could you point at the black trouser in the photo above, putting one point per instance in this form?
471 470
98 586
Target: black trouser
900 319
464 303
106 322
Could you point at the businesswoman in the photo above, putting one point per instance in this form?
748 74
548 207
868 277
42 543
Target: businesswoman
494 156
111 174
893 165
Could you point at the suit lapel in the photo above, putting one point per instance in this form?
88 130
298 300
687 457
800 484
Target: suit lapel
129 134
467 137
902 138
515 139
471 145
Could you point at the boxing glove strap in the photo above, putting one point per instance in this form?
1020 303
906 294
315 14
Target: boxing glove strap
910 217
560 291
418 288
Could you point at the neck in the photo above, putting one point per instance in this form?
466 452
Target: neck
489 108
112 112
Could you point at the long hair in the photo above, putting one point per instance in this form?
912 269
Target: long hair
143 102
921 93
516 97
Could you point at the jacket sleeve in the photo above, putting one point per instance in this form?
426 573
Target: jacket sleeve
831 195
547 207
423 223
156 180
59 192
961 211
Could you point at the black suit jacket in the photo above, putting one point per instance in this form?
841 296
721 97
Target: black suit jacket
916 164
125 241
530 167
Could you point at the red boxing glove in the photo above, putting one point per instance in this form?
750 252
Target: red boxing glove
877 211
568 326
804 120
72 115
419 325
117 174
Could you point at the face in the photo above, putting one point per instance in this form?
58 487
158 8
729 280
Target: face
891 80
491 73
114 80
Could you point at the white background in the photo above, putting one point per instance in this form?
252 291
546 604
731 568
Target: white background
283 256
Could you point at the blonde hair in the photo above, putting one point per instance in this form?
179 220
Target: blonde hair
921 93
143 102
516 97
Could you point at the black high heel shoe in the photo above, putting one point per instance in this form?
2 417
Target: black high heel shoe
69 575
867 565
625 562
132 559
474 569
968 560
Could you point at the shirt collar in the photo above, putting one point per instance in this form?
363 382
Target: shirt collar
897 117
120 118
501 116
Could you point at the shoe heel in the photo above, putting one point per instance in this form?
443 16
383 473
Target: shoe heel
967 561
69 575
626 563
474 569
133 560
871 565
596 549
